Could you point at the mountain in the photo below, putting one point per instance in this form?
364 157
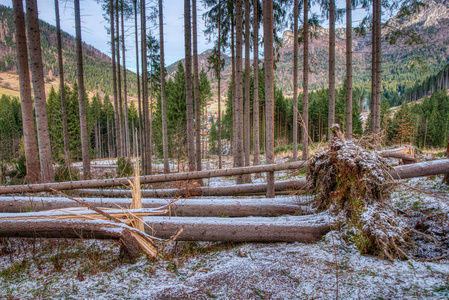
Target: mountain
402 66
97 65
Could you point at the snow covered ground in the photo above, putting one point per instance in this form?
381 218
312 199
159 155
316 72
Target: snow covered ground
89 269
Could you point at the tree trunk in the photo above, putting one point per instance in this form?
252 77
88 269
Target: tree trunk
247 110
295 79
189 97
305 229
269 90
239 162
81 95
65 129
236 190
119 82
40 101
114 78
376 68
139 98
234 114
186 208
220 163
154 178
48 228
305 109
446 176
125 88
146 155
348 132
331 118
163 101
29 134
196 87
256 85
378 64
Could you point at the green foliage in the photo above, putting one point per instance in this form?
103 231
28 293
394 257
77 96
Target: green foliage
10 127
62 173
124 167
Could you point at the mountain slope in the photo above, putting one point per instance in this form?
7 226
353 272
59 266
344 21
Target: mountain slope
400 69
97 66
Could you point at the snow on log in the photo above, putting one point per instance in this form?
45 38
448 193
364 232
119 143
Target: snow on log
49 228
234 190
47 187
428 168
183 207
304 229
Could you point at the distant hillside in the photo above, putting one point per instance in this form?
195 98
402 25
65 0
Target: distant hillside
398 72
97 66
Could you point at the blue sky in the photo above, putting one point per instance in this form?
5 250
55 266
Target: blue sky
95 34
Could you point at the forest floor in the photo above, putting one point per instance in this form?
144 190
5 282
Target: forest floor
92 269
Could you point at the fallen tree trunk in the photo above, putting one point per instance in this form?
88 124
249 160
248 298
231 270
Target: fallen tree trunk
304 229
49 228
406 158
186 207
428 168
234 190
47 187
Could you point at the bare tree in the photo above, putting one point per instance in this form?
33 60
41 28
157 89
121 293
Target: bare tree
269 89
114 79
146 155
189 96
331 119
163 101
256 83
247 110
305 109
65 129
29 134
295 79
348 132
125 86
81 94
139 98
220 163
40 101
196 87
376 68
119 81
239 85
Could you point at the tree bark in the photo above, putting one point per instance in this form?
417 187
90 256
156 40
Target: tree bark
234 114
29 134
125 88
331 118
65 129
163 99
40 101
295 79
189 96
186 207
378 64
256 85
305 229
305 109
48 228
247 130
146 155
269 90
348 132
139 98
237 190
81 95
114 79
151 178
220 163
239 160
196 87
446 176
119 82
376 68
